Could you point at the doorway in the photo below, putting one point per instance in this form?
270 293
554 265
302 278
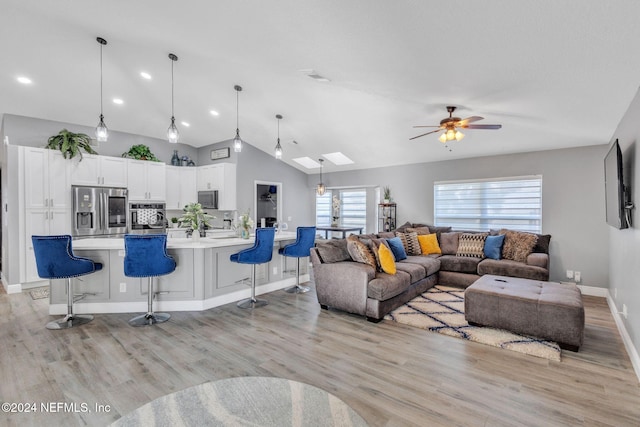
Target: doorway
267 203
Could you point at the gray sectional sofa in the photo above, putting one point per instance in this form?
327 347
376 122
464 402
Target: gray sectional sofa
362 289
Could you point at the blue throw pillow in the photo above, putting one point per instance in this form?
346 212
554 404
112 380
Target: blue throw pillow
493 246
397 249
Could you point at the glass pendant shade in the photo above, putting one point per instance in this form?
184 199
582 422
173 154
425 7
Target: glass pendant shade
237 142
278 149
172 133
102 133
321 189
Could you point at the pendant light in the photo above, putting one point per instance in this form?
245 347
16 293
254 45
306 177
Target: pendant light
102 133
320 189
278 152
237 142
172 132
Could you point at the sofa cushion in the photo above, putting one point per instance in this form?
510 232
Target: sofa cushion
334 250
429 244
510 268
361 253
518 245
460 264
416 271
387 262
493 246
387 235
374 245
418 230
542 245
403 227
430 264
449 242
395 244
410 243
386 286
471 245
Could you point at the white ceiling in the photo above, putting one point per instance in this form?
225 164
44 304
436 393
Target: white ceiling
553 73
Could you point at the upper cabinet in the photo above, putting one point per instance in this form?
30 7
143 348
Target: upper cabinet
46 179
181 186
221 177
99 171
147 181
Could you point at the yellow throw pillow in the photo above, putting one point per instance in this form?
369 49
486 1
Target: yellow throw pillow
387 262
429 244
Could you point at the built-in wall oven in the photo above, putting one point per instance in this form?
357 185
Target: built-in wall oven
147 218
99 211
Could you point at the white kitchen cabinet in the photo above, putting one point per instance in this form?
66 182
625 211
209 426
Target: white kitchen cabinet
47 200
221 177
180 186
99 171
147 181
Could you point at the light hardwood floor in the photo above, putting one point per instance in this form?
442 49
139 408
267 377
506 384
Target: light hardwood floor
392 375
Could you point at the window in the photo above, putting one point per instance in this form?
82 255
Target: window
352 211
513 203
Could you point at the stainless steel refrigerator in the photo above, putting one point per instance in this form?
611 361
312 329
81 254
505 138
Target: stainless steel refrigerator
99 211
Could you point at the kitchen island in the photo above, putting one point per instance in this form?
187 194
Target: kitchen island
204 276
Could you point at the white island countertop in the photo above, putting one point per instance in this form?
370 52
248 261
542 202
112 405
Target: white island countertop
217 241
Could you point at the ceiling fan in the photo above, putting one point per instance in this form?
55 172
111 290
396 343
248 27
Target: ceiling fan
451 124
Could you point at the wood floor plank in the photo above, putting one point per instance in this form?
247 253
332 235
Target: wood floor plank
393 375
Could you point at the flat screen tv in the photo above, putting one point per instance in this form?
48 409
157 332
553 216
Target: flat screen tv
614 188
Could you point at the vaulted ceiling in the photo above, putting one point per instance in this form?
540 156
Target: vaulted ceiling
554 74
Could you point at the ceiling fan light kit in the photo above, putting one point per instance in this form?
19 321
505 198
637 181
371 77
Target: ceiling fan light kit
451 124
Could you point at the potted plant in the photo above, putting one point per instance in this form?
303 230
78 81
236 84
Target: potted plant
70 144
195 219
246 224
387 194
174 222
140 152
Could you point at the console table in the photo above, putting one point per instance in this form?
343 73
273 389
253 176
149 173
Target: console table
342 230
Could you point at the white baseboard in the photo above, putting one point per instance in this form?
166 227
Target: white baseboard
594 291
626 339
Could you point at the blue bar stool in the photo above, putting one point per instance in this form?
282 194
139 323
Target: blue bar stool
306 238
55 260
146 256
260 253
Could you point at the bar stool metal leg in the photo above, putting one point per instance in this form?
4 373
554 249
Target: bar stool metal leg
297 289
252 302
150 317
70 320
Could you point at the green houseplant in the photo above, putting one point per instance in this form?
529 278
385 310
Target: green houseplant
386 194
140 152
194 217
70 144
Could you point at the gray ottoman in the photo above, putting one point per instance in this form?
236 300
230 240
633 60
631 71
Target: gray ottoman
549 310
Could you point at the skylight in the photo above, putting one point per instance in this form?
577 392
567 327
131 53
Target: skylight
307 162
338 158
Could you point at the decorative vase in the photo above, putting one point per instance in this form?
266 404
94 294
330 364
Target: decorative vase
175 159
195 235
244 233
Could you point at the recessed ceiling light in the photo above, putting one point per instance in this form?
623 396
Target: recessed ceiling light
338 158
185 124
118 101
24 80
214 113
307 162
145 75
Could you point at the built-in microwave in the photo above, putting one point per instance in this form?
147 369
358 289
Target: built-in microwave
208 199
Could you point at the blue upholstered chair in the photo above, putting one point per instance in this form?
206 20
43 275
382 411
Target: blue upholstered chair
260 253
306 237
55 260
146 256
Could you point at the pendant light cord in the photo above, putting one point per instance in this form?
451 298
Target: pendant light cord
100 80
172 61
237 112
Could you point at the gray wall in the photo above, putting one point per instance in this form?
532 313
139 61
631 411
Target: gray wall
572 199
624 245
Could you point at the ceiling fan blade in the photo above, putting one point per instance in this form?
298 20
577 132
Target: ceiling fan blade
482 126
427 126
433 131
464 122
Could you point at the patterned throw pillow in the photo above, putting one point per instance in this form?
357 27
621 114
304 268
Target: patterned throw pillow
410 243
360 253
518 245
471 245
373 245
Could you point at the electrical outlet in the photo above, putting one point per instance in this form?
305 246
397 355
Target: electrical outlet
577 276
275 270
289 218
123 287
569 274
624 310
